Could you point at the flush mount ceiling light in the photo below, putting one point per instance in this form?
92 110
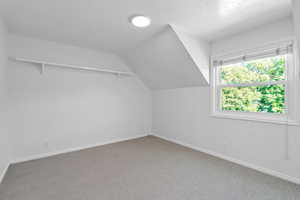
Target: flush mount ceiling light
140 21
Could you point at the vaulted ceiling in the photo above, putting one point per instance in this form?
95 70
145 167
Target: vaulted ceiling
163 56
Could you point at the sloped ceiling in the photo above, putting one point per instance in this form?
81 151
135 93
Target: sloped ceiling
199 50
163 56
104 25
163 62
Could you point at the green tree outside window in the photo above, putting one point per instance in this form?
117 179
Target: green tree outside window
265 98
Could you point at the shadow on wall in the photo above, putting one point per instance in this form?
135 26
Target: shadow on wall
163 62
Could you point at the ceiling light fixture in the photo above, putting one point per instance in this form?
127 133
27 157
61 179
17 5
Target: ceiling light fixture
140 21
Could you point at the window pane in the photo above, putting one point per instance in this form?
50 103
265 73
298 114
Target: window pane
263 70
268 99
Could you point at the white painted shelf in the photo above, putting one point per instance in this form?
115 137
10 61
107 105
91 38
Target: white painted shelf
75 67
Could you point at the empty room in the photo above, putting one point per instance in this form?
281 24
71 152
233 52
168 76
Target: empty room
149 100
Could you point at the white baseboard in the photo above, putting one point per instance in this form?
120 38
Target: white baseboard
3 173
45 155
237 161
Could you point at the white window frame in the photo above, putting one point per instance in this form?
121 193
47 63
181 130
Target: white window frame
291 115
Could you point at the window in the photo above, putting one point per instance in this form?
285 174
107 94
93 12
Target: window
257 86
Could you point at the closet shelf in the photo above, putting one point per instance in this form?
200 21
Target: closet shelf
75 67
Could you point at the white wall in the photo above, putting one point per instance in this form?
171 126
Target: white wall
4 136
65 109
279 30
184 115
296 19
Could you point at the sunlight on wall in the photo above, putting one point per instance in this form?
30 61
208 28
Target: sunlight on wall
231 7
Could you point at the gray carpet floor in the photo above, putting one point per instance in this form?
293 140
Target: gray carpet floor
142 169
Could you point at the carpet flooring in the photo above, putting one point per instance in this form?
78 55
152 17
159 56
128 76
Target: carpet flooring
148 168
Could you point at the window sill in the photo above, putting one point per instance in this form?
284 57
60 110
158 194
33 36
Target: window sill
257 118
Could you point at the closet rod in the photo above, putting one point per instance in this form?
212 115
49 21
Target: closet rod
44 63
